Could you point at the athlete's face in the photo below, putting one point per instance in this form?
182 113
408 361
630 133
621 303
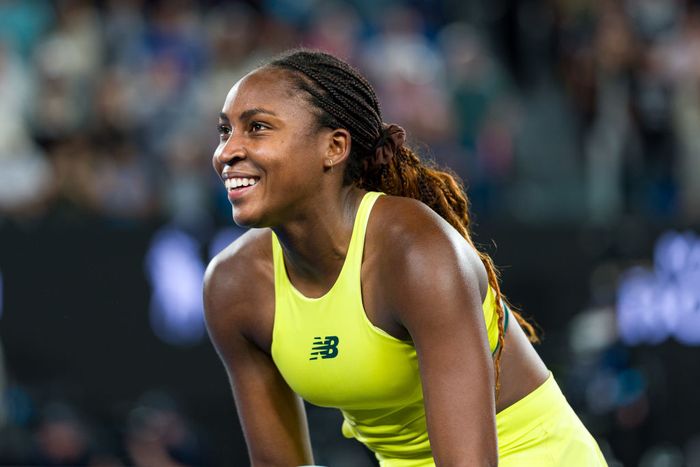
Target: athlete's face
271 151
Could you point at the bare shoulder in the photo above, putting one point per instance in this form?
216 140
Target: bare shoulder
239 286
253 247
405 226
414 249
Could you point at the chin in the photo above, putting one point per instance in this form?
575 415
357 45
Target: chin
242 220
247 219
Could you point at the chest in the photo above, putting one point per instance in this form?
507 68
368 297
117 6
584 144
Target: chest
371 302
331 354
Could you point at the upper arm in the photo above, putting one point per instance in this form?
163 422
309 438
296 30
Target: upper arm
271 414
435 293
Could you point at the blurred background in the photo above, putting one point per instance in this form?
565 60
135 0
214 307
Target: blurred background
575 125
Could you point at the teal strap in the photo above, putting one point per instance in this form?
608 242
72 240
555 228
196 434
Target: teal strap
506 312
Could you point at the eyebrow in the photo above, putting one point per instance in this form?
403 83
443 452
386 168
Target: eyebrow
246 114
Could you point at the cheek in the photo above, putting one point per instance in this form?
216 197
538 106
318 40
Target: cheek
307 156
301 175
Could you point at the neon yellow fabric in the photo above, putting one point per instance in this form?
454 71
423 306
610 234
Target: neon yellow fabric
330 354
542 429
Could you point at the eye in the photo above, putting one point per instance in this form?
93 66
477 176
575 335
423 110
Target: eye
224 130
257 126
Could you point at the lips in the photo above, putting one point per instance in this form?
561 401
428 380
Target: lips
239 184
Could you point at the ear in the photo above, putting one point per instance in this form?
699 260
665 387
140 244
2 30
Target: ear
338 149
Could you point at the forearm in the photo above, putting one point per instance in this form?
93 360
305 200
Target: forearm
482 453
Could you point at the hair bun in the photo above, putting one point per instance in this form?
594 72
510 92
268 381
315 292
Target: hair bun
391 139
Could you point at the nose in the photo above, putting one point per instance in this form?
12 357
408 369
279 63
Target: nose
228 152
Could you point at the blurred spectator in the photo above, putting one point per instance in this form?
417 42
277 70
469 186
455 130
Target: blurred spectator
401 62
122 184
185 185
61 437
124 29
75 184
680 57
610 132
64 438
484 112
335 27
22 22
233 35
67 60
158 434
25 177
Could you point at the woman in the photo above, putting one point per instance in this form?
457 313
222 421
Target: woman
379 305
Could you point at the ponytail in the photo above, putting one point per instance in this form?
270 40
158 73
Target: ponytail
403 173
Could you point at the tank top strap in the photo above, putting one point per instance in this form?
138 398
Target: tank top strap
356 248
281 279
353 260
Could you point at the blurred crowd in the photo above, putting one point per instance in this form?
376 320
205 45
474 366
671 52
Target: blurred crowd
153 431
578 112
556 111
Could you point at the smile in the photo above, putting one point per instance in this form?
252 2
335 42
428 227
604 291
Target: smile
238 182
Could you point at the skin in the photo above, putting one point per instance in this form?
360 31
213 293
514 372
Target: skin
420 280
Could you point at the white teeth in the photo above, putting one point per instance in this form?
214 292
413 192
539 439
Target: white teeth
231 183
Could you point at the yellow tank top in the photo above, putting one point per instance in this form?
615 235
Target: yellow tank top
330 354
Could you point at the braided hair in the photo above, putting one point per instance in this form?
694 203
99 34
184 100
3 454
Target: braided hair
342 98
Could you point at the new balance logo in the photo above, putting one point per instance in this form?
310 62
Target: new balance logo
324 347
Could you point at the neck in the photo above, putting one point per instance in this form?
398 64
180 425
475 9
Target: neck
315 242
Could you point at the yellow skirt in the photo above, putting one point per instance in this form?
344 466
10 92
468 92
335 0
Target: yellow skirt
540 430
